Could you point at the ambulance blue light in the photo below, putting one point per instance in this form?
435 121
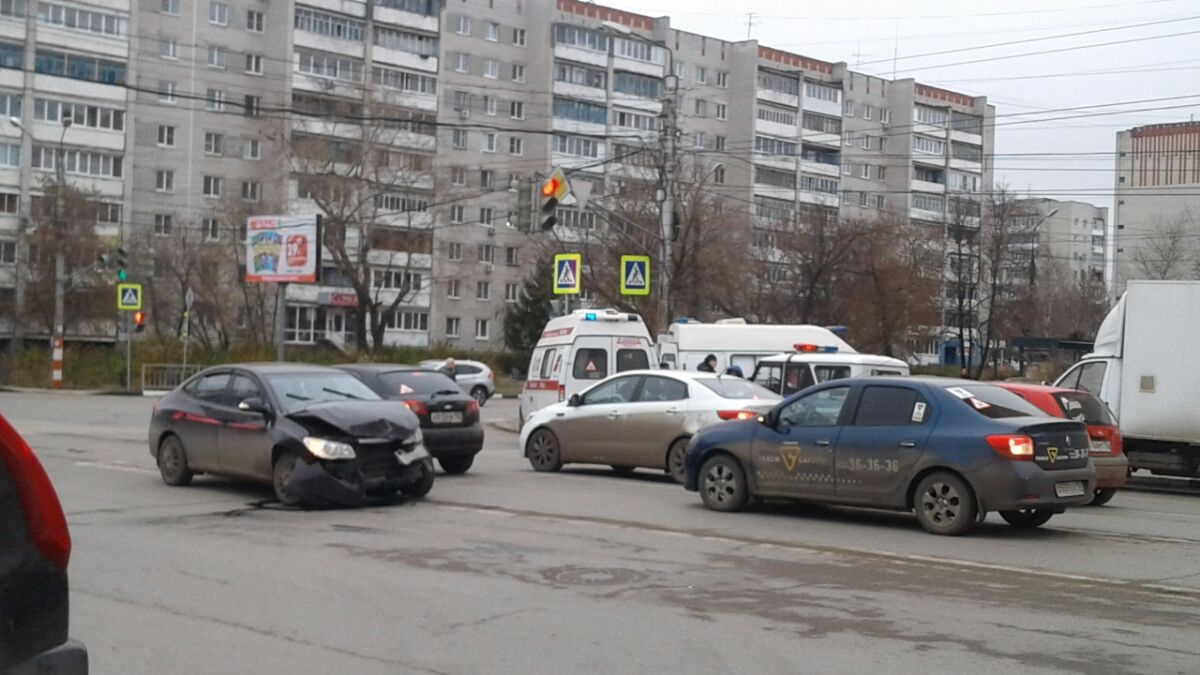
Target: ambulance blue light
590 316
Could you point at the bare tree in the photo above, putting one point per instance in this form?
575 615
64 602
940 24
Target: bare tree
1169 251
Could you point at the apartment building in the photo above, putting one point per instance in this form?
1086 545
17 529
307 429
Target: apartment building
1156 218
1068 234
60 61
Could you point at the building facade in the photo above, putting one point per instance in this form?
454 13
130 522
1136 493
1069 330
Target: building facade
1069 234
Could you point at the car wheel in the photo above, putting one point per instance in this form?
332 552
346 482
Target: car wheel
543 451
281 473
421 486
456 465
172 462
1027 519
945 505
723 485
675 459
1103 496
480 394
623 471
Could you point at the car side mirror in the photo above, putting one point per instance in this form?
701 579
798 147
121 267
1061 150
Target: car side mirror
574 401
254 404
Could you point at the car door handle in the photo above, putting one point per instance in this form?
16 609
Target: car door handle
672 411
823 443
908 444
560 414
614 415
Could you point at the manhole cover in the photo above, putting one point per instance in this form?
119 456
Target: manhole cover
592 576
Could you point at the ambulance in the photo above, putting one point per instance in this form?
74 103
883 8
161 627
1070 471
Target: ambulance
580 349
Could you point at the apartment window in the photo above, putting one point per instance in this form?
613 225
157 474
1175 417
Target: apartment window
211 229
254 64
166 91
481 329
929 146
510 292
576 145
170 7
458 176
168 48
487 178
586 76
885 115
722 111
847 169
462 25
217 57
868 112
700 139
930 116
214 143
518 72
863 200
576 36
493 32
638 50
865 141
770 113
489 105
218 13
10 203
454 251
880 202
636 85
819 184
82 115
516 110
164 180
775 81
462 100
214 100
252 106
453 289
163 222
632 120
254 21
720 143
701 75
462 62
491 69
765 145
411 321
848 139
581 111
585 220
866 171
489 142
511 256
329 25
402 80
516 146
166 136
452 323
519 37
458 138
928 202
486 215
775 177
252 149
822 92
719 175
457 214
483 290
775 210
722 79
881 172
8 252
413 43
821 123
251 191
848 108
701 108
212 186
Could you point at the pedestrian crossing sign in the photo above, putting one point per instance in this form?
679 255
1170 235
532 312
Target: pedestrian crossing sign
129 297
567 273
635 275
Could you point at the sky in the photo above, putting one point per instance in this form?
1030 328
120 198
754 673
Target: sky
1151 67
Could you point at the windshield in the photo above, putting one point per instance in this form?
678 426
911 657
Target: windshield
736 387
994 402
418 382
297 390
1083 407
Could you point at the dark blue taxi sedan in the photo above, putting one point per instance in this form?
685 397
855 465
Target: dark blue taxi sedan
949 450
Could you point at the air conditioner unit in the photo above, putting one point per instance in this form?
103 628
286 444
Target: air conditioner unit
465 113
491 230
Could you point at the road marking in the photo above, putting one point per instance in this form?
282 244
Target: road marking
118 467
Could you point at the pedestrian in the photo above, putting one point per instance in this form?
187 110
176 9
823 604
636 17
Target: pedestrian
709 365
736 371
447 368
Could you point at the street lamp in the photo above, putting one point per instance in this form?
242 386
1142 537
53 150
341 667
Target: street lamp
1033 246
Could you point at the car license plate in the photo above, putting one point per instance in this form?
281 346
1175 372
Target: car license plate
1099 447
1070 489
446 417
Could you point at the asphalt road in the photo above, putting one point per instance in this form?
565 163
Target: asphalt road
504 570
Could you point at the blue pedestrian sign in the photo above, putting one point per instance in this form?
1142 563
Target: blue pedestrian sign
567 274
635 275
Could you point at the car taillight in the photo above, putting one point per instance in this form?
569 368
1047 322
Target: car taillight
1012 447
417 407
562 393
472 407
1104 440
736 414
44 518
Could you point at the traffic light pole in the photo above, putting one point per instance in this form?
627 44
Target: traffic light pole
128 350
667 208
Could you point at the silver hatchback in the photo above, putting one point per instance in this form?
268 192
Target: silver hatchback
474 377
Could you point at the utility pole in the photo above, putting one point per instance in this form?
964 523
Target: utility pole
60 256
667 210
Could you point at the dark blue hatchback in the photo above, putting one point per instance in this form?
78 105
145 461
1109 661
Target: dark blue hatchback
949 450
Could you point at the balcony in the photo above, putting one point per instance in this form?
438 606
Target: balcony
327 44
580 55
578 127
821 138
819 199
429 24
781 162
820 168
396 57
776 129
787 194
820 105
581 92
780 98
927 186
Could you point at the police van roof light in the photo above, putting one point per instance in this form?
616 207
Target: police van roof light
815 349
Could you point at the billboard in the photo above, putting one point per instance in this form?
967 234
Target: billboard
282 249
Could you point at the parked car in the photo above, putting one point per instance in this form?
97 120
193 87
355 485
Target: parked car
475 377
318 435
449 418
641 418
35 547
950 450
1112 467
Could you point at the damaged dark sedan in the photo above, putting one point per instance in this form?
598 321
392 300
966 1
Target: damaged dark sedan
318 435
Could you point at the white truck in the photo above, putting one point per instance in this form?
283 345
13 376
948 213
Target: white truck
1146 367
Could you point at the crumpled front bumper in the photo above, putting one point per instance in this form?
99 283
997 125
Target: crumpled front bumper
350 483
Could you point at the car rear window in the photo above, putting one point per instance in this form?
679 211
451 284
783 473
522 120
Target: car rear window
1083 407
994 402
736 387
417 382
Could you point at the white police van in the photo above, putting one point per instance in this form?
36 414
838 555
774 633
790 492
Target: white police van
809 364
580 349
734 342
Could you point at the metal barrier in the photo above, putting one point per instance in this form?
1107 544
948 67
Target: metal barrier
163 377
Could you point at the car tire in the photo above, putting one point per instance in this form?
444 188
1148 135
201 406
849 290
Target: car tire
172 462
281 472
623 471
543 451
456 465
421 486
480 394
1103 496
1027 519
723 485
945 505
676 455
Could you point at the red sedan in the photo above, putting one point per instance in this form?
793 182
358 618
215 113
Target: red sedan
1112 468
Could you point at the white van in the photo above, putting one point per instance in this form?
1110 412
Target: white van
809 364
736 343
580 349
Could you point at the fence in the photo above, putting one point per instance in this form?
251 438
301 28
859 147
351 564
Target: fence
163 377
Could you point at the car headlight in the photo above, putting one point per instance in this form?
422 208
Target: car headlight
327 449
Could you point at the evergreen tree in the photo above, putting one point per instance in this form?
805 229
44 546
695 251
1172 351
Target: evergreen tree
525 319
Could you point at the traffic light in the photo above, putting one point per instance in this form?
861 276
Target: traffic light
552 190
122 262
139 321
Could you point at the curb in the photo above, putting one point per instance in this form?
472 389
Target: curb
504 425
